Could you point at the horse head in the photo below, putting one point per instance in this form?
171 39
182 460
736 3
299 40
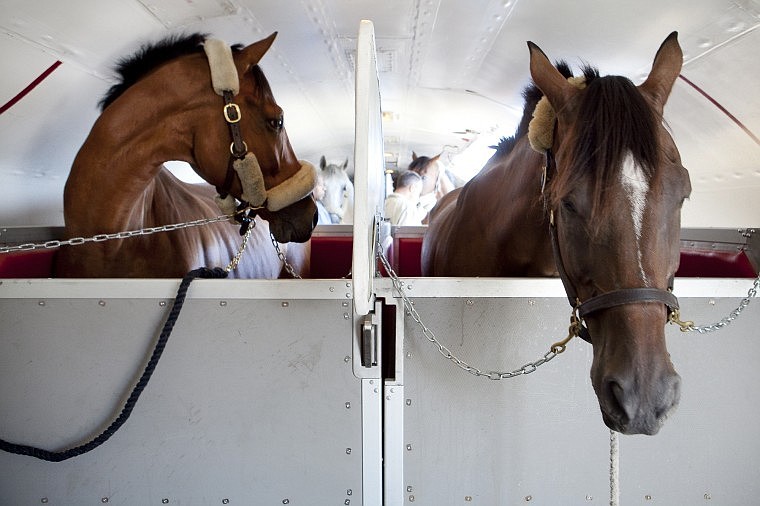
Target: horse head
338 190
615 192
429 170
251 128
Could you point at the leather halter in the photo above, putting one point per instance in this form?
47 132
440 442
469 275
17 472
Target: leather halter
238 150
605 300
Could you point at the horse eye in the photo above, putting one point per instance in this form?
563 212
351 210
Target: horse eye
276 124
568 205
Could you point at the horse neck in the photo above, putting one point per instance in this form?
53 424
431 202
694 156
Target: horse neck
506 194
113 174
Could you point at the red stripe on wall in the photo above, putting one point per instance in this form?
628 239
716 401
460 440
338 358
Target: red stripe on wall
723 109
10 103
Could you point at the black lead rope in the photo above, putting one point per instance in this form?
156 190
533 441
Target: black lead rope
129 405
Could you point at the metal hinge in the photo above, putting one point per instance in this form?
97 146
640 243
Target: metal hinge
369 341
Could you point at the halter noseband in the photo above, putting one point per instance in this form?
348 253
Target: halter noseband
605 300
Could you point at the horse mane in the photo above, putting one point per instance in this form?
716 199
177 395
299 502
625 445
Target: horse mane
531 95
150 56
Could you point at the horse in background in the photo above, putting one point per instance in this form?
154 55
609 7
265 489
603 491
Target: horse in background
193 99
338 196
435 181
591 189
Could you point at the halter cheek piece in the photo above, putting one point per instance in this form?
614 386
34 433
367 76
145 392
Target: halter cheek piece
605 300
243 163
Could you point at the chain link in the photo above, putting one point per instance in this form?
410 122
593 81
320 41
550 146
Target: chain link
76 241
528 368
689 326
289 268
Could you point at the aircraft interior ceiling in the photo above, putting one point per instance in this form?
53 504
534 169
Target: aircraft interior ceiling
451 77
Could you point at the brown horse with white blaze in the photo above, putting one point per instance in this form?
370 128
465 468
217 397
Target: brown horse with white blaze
214 111
601 208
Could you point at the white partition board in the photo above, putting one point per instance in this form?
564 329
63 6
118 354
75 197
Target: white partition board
369 178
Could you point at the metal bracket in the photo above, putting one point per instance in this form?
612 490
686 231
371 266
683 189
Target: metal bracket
368 341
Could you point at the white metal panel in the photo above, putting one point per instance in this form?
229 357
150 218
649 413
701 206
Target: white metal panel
250 399
540 438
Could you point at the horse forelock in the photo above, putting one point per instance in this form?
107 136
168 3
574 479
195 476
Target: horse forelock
614 121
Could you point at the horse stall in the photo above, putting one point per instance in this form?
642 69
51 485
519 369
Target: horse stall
356 386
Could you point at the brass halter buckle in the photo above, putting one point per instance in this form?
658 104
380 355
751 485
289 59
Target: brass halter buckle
231 112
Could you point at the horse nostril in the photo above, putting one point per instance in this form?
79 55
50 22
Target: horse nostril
618 401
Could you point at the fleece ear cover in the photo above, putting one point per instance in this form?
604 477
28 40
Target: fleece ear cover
541 127
293 189
224 76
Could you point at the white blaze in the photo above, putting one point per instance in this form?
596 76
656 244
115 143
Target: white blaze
636 187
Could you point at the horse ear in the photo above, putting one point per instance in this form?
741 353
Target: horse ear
436 157
414 156
549 80
251 55
345 164
322 162
665 69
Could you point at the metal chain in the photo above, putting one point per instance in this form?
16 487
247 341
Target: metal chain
289 268
76 241
689 326
236 259
528 368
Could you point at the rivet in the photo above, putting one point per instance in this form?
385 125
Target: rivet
346 316
101 303
371 382
348 285
104 500
711 302
164 501
408 402
223 303
348 295
408 355
708 496
387 397
225 501
332 288
469 302
411 498
344 304
41 303
648 497
285 303
162 303
408 287
347 502
531 302
286 501
346 359
44 500
348 451
408 447
589 497
348 405
528 498
467 498
349 492
409 488
392 390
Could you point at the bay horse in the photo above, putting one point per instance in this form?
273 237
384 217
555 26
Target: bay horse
339 191
435 182
194 99
599 205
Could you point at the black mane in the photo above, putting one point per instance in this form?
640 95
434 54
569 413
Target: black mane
531 95
131 69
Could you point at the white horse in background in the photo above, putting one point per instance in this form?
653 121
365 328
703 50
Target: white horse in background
339 192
